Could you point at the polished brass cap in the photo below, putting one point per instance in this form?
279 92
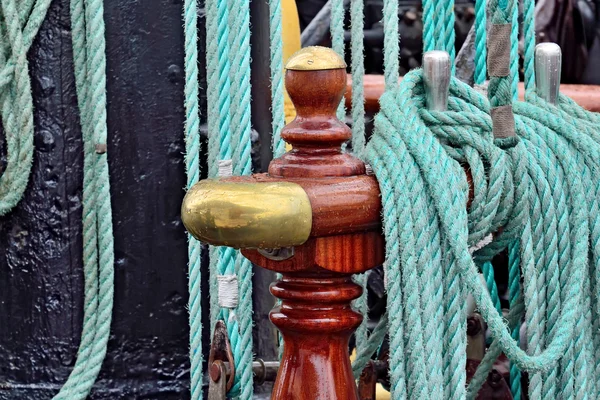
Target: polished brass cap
315 58
263 215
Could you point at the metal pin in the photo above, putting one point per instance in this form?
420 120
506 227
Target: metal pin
264 371
548 62
436 75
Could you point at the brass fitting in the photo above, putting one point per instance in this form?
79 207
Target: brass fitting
315 58
264 215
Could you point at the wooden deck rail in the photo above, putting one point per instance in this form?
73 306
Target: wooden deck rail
587 96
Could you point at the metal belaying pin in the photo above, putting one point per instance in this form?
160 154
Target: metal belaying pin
436 76
548 63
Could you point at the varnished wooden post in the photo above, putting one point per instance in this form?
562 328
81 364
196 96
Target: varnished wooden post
315 315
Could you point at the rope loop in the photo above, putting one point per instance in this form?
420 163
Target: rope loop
20 22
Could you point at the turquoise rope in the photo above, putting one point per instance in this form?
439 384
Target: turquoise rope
358 146
514 293
220 139
529 43
402 117
480 73
391 44
228 69
361 335
240 111
277 96
372 344
487 269
192 166
501 89
20 24
428 26
90 77
515 374
450 36
570 111
337 41
438 27
514 53
215 128
358 73
439 32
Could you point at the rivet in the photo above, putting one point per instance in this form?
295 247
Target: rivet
100 148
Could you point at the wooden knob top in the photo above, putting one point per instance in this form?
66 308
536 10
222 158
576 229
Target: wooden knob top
316 135
315 58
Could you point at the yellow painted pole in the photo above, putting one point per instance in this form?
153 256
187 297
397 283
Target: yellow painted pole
291 43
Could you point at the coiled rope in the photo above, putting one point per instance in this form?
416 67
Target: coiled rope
18 27
535 186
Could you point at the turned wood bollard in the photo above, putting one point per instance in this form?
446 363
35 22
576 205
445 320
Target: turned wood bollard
314 218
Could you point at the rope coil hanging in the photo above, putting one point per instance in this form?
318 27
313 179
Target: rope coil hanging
19 26
516 173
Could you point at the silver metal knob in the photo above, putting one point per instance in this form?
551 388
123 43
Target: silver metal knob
436 75
548 63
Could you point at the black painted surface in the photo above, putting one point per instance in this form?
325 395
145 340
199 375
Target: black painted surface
40 241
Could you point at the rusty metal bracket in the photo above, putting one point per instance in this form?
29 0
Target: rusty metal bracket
475 337
367 383
217 389
496 386
220 350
